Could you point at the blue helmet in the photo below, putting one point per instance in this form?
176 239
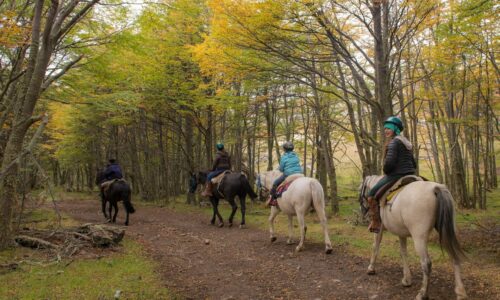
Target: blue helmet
395 121
219 146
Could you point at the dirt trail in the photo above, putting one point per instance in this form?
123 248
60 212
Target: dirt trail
243 264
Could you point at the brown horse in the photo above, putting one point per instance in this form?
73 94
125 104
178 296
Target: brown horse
232 185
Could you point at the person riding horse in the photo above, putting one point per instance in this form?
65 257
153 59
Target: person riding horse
289 164
398 162
113 171
222 162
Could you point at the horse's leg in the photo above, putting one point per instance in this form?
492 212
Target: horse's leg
375 251
116 211
234 208
303 229
425 262
110 211
406 281
459 285
103 204
126 211
216 211
243 210
272 216
322 218
212 221
289 241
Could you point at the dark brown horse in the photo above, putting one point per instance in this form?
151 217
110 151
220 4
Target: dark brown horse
233 184
119 190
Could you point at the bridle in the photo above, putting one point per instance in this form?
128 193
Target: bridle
362 196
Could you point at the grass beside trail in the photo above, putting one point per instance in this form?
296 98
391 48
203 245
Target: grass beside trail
99 277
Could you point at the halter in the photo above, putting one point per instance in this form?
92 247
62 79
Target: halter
362 196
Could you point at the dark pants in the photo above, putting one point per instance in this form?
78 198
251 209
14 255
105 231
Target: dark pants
385 180
276 183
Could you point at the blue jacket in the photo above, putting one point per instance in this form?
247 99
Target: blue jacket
290 164
113 171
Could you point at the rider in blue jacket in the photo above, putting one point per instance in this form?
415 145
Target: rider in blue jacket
289 164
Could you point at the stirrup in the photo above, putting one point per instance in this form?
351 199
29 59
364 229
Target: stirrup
374 229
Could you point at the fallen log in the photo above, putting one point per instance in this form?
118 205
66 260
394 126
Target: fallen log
36 243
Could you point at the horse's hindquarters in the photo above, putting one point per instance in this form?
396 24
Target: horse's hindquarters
412 211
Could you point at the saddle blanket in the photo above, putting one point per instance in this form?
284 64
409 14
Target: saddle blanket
391 190
217 179
286 183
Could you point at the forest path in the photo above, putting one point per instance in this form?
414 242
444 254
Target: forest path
199 261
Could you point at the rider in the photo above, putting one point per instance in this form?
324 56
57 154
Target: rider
222 162
113 171
289 164
398 162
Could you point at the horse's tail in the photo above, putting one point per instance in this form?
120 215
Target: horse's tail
445 224
248 188
127 201
318 198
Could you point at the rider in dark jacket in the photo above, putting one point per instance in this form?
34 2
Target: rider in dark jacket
113 170
398 162
222 162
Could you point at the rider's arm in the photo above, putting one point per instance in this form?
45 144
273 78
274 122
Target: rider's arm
282 164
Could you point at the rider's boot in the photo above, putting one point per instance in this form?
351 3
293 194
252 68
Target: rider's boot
272 197
207 192
375 214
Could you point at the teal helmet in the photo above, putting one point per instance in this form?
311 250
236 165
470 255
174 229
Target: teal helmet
394 121
219 146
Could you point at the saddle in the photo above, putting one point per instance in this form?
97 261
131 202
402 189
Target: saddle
107 184
286 183
218 179
387 192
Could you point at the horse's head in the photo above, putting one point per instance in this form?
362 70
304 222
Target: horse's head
364 189
201 177
265 182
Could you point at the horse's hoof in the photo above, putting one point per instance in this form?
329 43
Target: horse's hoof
289 242
230 225
243 226
273 239
126 223
221 225
421 297
406 283
461 294
298 249
371 271
329 251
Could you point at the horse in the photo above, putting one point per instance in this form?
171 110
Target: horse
414 211
302 193
232 185
119 190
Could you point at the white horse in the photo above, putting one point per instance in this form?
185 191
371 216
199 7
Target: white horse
297 200
418 208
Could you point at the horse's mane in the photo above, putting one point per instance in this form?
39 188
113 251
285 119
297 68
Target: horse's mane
267 178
